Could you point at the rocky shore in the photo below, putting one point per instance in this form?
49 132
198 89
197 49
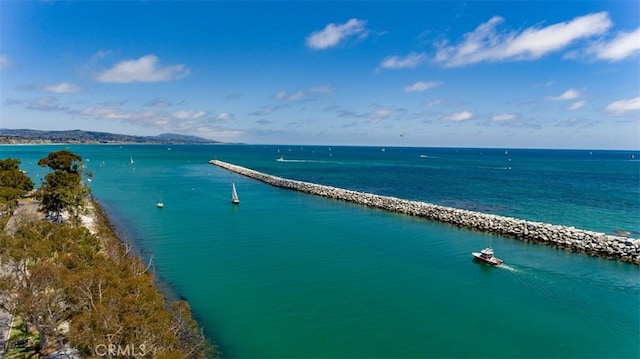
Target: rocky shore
569 238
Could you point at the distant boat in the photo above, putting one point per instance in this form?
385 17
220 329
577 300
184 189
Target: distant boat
160 205
281 159
486 256
423 156
234 194
131 159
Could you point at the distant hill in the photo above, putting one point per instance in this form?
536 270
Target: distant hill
8 136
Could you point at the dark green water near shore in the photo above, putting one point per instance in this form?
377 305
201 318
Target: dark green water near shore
286 274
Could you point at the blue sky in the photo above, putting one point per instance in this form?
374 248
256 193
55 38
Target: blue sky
546 74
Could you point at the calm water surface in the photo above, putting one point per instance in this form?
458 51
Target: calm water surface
286 274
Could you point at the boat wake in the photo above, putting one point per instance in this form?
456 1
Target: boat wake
494 168
546 285
508 267
302 161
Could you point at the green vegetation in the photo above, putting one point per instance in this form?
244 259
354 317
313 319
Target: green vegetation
22 341
14 184
83 287
62 189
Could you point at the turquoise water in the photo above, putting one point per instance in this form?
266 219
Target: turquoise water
286 274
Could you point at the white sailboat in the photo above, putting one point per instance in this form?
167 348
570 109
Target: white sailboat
234 194
131 158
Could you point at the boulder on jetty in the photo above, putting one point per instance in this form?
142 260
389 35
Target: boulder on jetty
575 240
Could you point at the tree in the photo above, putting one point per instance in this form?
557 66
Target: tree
62 160
63 190
14 183
34 272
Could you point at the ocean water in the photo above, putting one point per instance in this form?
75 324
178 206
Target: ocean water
289 275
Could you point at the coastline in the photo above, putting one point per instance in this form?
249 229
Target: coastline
568 238
97 222
100 219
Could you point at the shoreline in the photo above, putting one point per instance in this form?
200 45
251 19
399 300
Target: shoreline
98 223
595 244
100 217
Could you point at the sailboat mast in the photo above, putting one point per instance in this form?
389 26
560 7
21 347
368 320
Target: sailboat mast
234 194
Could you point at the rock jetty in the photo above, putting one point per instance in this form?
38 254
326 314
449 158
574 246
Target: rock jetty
568 238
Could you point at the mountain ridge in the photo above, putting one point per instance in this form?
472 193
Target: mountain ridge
19 136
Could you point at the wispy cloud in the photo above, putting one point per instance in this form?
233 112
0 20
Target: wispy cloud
310 93
486 43
375 116
333 34
577 105
47 104
188 114
158 102
421 86
624 45
570 94
407 62
64 87
505 117
233 96
224 116
622 107
144 69
459 116
4 62
381 114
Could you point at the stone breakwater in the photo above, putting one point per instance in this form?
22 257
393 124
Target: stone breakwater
569 238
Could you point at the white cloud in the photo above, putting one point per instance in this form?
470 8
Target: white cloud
64 87
421 86
100 54
158 102
4 62
188 114
485 43
622 107
504 117
110 113
46 104
570 94
144 69
577 105
224 116
177 121
459 116
408 62
332 34
300 95
621 47
381 114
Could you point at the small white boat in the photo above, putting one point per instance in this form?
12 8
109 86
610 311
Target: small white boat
131 159
281 159
160 205
486 256
234 194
